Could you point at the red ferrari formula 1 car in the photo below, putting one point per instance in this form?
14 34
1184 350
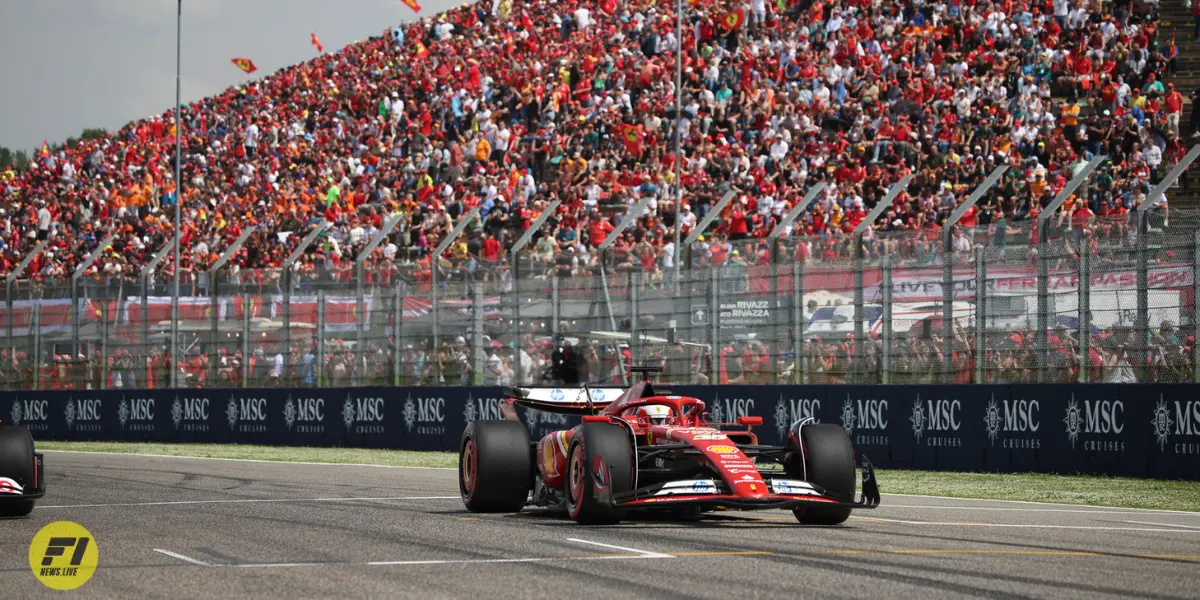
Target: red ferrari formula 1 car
21 472
648 450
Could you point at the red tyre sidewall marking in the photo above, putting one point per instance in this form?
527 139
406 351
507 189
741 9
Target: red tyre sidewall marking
576 472
469 468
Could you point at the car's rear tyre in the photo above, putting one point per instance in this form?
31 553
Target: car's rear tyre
613 447
495 466
17 463
828 462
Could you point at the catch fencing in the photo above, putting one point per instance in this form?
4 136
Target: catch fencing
1078 303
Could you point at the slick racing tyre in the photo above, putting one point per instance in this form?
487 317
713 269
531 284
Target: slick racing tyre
16 463
614 449
829 463
495 466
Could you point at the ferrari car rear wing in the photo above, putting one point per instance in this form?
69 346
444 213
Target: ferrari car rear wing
571 401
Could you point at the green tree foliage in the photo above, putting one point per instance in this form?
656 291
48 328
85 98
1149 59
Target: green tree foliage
19 159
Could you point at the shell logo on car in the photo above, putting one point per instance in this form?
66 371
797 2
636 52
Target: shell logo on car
719 449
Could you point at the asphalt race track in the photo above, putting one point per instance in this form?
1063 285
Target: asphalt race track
195 528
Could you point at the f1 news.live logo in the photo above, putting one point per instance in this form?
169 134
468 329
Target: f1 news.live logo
63 555
57 547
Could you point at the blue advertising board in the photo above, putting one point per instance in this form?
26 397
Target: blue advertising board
1137 430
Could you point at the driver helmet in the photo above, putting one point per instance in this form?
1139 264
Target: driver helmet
655 413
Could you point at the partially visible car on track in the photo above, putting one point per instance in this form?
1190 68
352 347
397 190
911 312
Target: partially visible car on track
22 480
650 450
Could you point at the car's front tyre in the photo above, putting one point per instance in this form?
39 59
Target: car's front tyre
598 445
828 462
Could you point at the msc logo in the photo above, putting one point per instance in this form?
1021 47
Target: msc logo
936 415
788 411
1095 418
307 415
190 413
63 555
1016 416
484 409
247 415
33 414
136 414
536 419
729 409
426 414
1186 423
363 415
868 414
83 414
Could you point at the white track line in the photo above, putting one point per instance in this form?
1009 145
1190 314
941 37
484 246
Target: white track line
332 464
247 501
1163 524
186 559
1099 511
1027 526
645 553
1029 502
251 460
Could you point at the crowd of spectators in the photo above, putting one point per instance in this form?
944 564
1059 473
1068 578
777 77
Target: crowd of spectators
510 106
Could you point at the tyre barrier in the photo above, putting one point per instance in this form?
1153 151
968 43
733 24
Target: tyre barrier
1131 430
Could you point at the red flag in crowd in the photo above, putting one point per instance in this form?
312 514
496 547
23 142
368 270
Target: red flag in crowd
45 148
245 64
733 19
608 6
422 51
412 4
632 136
316 42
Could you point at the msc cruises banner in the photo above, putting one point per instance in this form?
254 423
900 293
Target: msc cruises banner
1138 430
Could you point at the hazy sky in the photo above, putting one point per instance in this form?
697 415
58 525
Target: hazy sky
66 65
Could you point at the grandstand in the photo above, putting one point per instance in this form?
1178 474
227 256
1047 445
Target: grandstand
510 107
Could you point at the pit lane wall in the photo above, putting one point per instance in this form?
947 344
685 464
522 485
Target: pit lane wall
1140 430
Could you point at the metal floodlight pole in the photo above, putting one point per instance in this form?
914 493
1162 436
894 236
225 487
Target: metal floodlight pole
287 283
678 133
213 270
76 314
178 234
514 259
7 285
360 319
859 231
1043 276
1143 285
434 265
948 262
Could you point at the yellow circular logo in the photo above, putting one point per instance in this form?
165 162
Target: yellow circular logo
63 555
722 449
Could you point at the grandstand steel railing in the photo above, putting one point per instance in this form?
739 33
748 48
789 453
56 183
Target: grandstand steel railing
802 310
